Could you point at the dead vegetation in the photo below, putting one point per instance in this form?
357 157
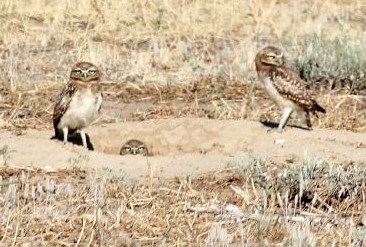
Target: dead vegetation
254 204
162 65
209 97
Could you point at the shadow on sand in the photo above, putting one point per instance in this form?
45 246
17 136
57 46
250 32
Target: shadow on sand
75 138
274 125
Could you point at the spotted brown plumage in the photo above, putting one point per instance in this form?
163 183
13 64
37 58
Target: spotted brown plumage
79 102
289 84
62 104
284 86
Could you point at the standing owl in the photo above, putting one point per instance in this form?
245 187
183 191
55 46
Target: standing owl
79 102
284 86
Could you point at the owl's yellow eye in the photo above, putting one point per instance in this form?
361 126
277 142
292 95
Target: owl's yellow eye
78 71
92 71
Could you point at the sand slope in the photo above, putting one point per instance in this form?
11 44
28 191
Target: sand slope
185 146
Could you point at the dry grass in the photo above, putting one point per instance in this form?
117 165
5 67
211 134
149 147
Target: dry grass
315 204
163 42
215 98
171 59
180 58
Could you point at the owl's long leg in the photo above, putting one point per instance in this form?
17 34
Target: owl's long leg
83 138
286 113
305 119
65 131
308 120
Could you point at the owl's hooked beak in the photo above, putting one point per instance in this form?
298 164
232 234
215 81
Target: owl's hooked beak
84 74
280 58
134 150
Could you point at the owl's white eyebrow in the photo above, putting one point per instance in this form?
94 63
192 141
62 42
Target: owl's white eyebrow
271 54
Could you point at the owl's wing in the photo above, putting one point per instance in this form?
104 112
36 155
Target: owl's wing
290 86
63 102
101 103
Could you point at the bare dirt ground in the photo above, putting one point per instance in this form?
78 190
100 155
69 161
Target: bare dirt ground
203 185
186 146
189 129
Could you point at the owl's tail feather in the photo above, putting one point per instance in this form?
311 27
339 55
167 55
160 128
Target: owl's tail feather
59 135
317 107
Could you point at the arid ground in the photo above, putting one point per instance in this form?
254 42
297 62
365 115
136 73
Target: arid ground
179 75
183 147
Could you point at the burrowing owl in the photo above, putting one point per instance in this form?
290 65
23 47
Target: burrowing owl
284 86
79 102
134 147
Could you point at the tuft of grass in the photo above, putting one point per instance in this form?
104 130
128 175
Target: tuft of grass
301 236
218 236
338 60
114 175
78 159
5 154
315 181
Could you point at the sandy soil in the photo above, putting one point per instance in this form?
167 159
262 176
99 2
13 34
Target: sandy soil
185 146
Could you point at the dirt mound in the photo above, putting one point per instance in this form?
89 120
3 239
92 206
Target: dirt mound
181 146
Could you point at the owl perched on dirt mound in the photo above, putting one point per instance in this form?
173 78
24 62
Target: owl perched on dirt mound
79 102
284 86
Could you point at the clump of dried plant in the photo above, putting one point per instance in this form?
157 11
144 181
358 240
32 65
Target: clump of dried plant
255 203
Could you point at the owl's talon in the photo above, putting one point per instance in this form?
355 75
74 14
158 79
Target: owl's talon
275 130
